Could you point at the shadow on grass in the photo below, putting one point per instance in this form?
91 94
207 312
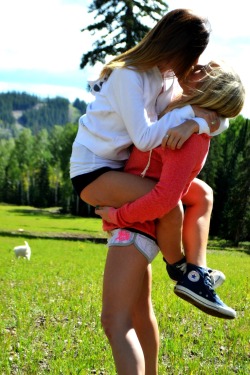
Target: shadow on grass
49 213
39 212
54 236
228 245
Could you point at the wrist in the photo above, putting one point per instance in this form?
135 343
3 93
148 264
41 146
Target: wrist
194 126
112 214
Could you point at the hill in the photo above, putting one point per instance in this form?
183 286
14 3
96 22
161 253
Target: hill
21 110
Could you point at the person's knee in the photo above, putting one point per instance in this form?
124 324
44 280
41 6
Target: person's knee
206 194
88 196
174 217
107 323
114 324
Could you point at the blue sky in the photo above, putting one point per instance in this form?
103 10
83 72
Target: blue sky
41 44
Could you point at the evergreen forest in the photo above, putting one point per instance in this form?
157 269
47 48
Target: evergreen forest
36 137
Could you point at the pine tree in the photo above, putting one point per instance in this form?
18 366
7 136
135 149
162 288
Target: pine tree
23 154
123 25
237 206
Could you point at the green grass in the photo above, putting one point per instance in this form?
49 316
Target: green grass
195 343
46 222
50 309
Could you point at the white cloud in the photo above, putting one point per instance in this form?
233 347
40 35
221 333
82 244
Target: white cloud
42 35
45 36
48 90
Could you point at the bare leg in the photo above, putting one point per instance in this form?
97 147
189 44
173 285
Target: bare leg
169 234
199 204
116 188
146 326
123 281
195 231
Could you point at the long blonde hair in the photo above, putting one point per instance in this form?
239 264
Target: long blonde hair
178 39
220 90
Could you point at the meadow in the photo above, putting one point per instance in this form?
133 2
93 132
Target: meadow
50 306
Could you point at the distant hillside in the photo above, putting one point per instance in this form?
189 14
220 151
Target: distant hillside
18 110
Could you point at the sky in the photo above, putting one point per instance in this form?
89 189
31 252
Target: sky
42 44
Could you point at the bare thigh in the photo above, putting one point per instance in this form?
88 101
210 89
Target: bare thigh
116 188
143 306
123 281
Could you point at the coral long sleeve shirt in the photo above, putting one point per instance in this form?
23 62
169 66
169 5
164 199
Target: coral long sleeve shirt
173 169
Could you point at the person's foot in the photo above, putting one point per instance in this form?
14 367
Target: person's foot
217 277
178 269
195 287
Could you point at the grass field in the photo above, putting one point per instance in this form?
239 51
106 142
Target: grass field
50 306
33 222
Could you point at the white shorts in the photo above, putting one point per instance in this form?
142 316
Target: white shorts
124 237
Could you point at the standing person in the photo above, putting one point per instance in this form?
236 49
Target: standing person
127 315
214 86
132 91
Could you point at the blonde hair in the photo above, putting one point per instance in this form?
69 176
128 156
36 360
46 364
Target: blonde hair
220 90
178 40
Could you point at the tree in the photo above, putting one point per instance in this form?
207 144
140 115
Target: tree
237 206
42 193
80 105
6 148
122 21
23 154
12 187
64 140
227 172
56 147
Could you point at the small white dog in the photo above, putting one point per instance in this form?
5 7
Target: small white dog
23 251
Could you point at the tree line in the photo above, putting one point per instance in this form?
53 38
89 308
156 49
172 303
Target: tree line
34 171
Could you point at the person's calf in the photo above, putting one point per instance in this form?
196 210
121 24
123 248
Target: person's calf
169 234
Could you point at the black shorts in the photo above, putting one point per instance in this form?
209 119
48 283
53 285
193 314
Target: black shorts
83 180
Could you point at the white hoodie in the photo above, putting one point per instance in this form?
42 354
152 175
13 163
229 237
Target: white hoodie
125 112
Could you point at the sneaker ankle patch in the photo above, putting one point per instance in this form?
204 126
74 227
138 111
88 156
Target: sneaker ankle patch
194 276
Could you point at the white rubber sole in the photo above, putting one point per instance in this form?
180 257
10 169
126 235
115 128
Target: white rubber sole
204 305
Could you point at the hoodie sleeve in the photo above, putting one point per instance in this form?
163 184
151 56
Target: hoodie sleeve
127 96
